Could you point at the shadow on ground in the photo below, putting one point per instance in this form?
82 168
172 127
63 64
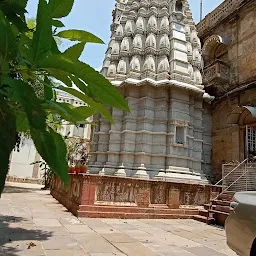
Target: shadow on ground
13 189
11 235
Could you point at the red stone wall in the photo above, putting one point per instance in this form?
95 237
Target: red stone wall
87 191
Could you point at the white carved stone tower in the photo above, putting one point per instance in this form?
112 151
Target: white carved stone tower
154 58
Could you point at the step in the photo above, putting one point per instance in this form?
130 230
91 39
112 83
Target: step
219 212
219 217
221 202
204 213
203 219
134 210
227 196
221 208
124 215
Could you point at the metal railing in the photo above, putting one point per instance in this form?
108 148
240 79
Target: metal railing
238 177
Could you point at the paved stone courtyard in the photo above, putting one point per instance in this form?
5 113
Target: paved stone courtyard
33 223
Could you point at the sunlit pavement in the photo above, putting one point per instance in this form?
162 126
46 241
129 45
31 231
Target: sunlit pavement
34 223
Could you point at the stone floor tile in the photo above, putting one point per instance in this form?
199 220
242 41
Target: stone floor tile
79 229
106 230
66 253
47 222
135 249
203 251
51 244
70 220
95 243
119 238
108 254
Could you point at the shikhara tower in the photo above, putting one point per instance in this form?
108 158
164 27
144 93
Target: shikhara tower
154 58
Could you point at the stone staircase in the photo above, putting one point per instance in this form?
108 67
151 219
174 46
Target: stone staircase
217 211
130 212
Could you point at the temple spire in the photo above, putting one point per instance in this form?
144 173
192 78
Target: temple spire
153 39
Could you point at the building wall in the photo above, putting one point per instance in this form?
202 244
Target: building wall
228 140
20 165
235 23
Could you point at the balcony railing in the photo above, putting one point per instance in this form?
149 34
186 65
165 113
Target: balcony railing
217 73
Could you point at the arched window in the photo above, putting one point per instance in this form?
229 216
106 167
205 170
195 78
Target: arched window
178 6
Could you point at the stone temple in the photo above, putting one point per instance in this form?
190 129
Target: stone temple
154 58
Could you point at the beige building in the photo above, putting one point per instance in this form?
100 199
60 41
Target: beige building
229 51
20 163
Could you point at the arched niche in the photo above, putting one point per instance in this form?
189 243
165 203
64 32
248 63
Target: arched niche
214 48
245 115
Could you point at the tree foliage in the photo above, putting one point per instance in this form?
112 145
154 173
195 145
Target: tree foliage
30 59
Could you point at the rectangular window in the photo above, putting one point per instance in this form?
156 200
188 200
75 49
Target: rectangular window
180 135
251 140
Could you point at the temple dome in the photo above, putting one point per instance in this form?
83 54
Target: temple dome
137 43
150 45
111 70
152 24
197 76
164 25
191 71
115 48
164 42
149 64
163 65
125 45
135 64
120 31
129 28
121 67
140 25
196 58
195 41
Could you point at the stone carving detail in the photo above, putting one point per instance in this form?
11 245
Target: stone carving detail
150 45
152 24
125 47
158 28
164 25
121 68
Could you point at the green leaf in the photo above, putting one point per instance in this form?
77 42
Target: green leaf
23 93
22 123
52 148
57 24
60 8
79 35
98 86
75 51
42 39
48 89
68 112
60 75
7 138
8 46
98 107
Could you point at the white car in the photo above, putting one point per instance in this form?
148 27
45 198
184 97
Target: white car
240 226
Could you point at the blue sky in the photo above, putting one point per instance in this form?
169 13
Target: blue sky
96 15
